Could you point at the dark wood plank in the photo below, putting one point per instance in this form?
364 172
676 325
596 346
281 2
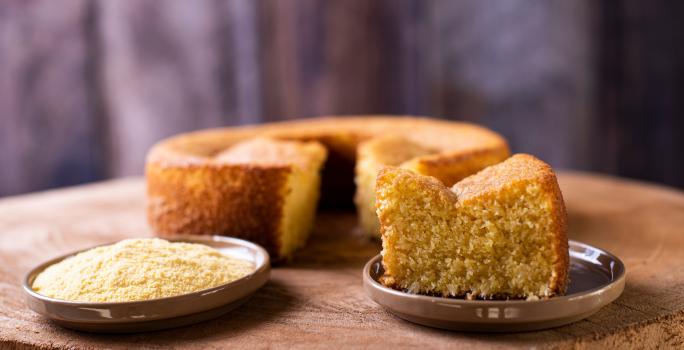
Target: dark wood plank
524 68
640 91
343 57
168 67
87 86
49 113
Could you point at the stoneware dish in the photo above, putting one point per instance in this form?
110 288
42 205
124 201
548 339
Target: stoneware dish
162 313
596 279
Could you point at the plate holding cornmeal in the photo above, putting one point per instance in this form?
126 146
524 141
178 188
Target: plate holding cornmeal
147 284
139 269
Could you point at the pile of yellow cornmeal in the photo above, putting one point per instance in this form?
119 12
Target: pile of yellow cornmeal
139 269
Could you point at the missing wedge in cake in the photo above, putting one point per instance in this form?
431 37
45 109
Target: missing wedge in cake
498 234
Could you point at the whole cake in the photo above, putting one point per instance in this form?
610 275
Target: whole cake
210 182
498 234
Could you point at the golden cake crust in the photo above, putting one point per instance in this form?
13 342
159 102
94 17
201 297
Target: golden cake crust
189 192
232 200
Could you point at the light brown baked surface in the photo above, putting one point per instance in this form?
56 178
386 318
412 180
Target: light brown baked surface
190 192
500 233
266 151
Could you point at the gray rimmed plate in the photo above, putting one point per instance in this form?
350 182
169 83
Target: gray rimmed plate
596 279
162 313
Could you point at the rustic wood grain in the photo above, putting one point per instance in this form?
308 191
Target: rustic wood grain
318 300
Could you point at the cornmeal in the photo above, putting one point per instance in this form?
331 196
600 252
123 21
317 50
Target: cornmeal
139 269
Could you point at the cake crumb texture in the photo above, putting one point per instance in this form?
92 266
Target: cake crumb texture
498 234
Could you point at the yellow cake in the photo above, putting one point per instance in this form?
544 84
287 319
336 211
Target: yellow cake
195 186
376 153
500 233
264 190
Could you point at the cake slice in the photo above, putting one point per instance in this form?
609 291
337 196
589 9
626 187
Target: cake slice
447 166
296 197
498 234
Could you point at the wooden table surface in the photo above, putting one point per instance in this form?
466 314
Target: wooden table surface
318 300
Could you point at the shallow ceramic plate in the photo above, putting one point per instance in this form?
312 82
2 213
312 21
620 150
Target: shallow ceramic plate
596 279
155 314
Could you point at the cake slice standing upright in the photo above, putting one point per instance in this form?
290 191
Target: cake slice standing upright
498 234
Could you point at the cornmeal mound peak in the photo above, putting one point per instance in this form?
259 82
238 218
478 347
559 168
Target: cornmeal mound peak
498 234
301 162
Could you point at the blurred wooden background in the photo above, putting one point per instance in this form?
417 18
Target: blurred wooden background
87 86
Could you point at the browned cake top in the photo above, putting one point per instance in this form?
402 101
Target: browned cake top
266 151
516 168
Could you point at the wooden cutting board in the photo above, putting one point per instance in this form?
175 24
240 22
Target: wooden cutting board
318 301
